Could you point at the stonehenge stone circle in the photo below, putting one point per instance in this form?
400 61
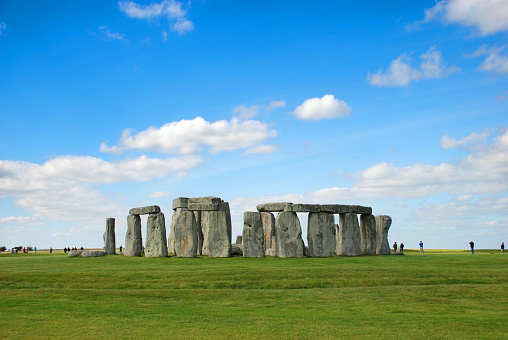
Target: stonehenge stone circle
321 237
156 245
383 223
219 243
288 234
368 234
109 236
133 239
348 237
253 236
186 235
268 220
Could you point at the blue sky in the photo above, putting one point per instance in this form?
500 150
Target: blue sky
109 105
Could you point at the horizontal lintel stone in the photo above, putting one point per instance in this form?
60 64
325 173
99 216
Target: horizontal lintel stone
303 207
272 207
206 200
343 209
152 209
203 207
180 202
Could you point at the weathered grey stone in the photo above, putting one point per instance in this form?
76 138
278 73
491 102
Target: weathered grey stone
133 239
272 207
253 235
109 236
156 245
75 253
343 209
197 216
203 207
268 220
219 243
368 234
205 228
348 237
205 200
93 253
225 207
239 239
288 234
321 234
271 252
180 202
236 249
152 209
303 207
186 235
171 239
383 223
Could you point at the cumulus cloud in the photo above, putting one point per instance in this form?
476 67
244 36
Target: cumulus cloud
486 16
320 108
449 142
170 9
191 136
401 73
264 149
245 112
495 61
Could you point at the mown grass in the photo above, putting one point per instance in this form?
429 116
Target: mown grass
442 294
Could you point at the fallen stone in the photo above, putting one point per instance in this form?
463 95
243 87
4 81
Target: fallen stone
186 235
383 223
368 234
109 236
253 236
268 220
239 239
180 202
133 239
152 209
93 253
272 207
75 253
288 235
303 207
321 234
219 243
348 237
156 245
236 249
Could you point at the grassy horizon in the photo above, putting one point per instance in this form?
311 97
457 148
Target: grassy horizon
435 295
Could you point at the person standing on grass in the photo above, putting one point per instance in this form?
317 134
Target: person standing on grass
50 250
502 247
394 247
471 244
421 247
401 247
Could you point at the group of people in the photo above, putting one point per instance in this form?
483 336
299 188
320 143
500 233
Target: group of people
66 250
401 247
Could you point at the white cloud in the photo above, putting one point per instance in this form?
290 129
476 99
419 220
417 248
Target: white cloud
245 112
448 142
487 16
274 104
319 108
106 34
170 9
495 61
401 73
191 136
160 194
3 25
164 35
264 149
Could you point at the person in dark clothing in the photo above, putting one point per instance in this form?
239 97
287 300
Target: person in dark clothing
502 247
471 244
401 247
395 247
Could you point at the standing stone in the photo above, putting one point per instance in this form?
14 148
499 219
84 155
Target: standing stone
156 245
239 239
383 223
253 235
321 234
171 239
225 207
219 242
197 216
288 234
109 236
205 227
368 234
186 235
348 237
133 239
268 220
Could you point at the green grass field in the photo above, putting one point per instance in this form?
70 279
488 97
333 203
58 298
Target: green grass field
442 294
